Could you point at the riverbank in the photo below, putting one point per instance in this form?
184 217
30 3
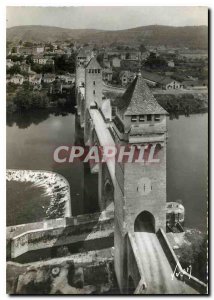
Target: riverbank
55 186
183 102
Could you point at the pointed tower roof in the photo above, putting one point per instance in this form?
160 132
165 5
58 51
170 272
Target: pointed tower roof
93 64
138 99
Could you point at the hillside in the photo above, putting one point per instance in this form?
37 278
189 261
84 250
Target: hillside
36 33
189 36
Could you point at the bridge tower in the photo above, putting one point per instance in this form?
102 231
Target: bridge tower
140 188
93 83
82 60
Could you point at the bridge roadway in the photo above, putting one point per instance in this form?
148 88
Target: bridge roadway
105 138
155 264
157 269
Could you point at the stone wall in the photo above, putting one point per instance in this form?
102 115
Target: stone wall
72 230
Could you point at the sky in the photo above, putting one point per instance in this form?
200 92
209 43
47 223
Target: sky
107 17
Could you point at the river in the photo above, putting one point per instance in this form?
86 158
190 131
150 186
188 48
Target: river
32 138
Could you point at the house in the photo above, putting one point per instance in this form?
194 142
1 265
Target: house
152 79
49 78
168 83
171 63
130 55
40 60
25 68
17 79
40 49
106 62
35 79
59 51
25 51
67 78
193 54
50 61
145 55
156 80
9 63
8 51
126 77
107 74
115 62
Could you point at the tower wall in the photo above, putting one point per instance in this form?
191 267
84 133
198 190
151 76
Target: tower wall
139 187
80 76
93 87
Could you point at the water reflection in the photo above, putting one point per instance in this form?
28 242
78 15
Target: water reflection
25 119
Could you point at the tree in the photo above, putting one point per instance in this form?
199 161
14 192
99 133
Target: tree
153 61
65 64
29 59
28 44
142 48
195 254
16 58
14 50
26 99
37 68
14 70
48 68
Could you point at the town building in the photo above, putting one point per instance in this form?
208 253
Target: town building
50 61
171 63
40 60
67 78
161 81
40 49
25 67
107 74
49 78
9 63
17 79
168 83
115 62
35 79
126 77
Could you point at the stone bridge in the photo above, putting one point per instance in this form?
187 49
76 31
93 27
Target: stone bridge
144 260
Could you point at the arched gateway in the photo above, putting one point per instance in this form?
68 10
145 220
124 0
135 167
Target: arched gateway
145 222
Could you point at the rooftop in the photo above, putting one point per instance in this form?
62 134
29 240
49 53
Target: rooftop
138 99
93 64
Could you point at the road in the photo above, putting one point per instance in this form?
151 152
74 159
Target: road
121 90
156 266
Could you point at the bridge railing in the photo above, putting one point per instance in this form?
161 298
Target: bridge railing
135 266
192 281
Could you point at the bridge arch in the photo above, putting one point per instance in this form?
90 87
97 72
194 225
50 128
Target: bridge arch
144 222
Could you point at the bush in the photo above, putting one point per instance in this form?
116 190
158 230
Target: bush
195 254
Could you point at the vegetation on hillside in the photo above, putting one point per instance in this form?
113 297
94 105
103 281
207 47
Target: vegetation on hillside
188 36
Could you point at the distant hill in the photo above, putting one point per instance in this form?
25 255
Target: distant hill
188 36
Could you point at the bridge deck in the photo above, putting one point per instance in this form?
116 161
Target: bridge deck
104 137
157 269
